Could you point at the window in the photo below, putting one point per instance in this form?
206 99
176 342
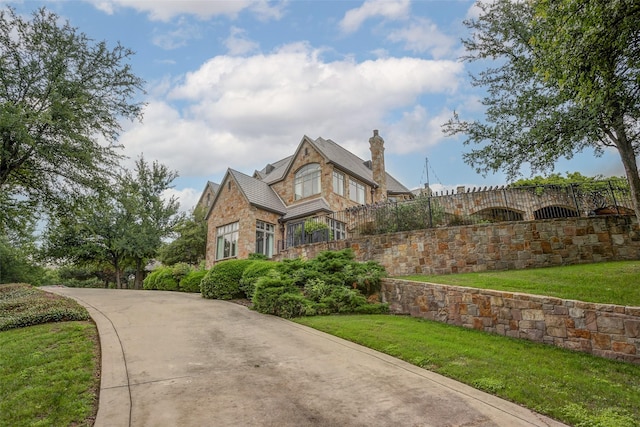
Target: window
307 181
356 191
265 236
338 229
338 183
227 241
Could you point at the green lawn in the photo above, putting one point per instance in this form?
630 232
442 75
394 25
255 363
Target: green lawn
49 362
576 388
607 283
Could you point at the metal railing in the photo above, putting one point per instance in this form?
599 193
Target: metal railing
473 206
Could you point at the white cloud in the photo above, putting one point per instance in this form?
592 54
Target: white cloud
187 197
421 36
238 43
393 10
243 112
166 10
417 130
183 32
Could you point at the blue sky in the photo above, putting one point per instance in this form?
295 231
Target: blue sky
239 83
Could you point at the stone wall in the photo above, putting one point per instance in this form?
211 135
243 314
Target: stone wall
601 329
499 246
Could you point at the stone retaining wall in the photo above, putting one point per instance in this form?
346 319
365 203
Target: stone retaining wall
499 246
604 330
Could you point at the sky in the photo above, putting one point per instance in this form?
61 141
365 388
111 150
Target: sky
237 84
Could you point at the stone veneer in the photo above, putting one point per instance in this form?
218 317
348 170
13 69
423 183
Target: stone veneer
499 246
604 330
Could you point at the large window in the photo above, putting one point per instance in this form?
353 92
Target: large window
356 191
307 181
227 241
338 183
265 236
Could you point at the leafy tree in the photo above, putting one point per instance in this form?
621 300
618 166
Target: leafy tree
565 77
150 217
126 225
191 244
60 93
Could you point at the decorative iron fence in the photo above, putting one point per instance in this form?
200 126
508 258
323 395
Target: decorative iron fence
466 207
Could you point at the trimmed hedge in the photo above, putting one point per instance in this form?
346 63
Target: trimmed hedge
191 282
222 281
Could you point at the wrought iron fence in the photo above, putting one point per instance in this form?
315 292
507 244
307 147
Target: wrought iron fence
465 207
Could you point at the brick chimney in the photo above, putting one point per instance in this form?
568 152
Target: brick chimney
376 145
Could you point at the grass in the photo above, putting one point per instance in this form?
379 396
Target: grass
49 369
576 388
606 283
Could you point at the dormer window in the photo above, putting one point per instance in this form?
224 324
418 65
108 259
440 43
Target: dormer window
307 181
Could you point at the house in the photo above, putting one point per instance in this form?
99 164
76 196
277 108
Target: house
208 194
274 207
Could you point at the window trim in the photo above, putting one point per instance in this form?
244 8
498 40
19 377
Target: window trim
269 231
338 178
229 230
309 174
357 185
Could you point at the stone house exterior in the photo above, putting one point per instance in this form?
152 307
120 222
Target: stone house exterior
207 196
290 201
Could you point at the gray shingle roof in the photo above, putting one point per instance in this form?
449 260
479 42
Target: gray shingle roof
307 208
259 193
354 165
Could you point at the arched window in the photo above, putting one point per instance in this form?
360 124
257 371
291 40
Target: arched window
307 181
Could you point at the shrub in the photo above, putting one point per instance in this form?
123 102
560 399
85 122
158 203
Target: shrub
149 282
268 291
251 275
180 270
191 282
165 280
222 281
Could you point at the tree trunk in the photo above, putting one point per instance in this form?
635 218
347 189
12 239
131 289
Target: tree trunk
628 157
139 274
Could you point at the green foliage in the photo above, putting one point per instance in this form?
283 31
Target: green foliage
564 78
258 257
333 282
579 416
275 294
191 282
23 305
259 268
420 213
16 266
162 279
190 245
222 281
62 95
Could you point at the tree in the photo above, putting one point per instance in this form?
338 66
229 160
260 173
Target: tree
191 244
122 227
565 77
59 94
151 218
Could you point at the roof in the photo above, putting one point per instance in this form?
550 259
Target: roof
258 193
339 156
354 165
306 209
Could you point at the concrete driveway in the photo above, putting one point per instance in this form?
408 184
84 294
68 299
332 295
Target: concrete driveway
175 359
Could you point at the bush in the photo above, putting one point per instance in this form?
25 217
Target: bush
269 289
180 270
251 275
222 281
149 282
191 282
161 279
165 280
